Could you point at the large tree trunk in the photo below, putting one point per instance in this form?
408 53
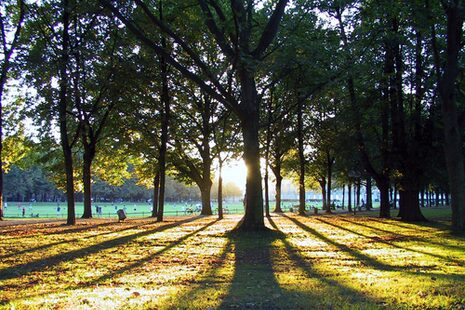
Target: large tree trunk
205 190
384 209
253 219
409 207
89 154
165 99
156 185
277 207
62 110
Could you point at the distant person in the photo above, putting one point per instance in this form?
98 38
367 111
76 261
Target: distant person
58 210
24 211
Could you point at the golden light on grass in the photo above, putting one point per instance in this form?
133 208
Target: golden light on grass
320 262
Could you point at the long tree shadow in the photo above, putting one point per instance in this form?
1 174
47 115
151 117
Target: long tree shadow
40 264
410 238
337 289
62 228
370 261
415 225
209 286
148 258
364 259
379 240
253 284
50 245
136 264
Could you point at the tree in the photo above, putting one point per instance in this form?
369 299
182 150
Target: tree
11 22
447 73
244 48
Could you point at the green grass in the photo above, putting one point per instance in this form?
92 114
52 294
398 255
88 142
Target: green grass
133 209
335 261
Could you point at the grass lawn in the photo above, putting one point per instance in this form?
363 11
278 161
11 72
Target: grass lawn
338 261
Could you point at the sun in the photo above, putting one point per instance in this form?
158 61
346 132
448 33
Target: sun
235 171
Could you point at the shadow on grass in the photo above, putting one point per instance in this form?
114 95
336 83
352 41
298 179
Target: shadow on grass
50 245
329 287
414 225
41 264
148 258
138 263
63 228
207 289
372 262
379 240
253 284
364 259
409 238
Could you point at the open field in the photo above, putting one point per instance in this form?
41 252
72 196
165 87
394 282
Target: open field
337 261
133 209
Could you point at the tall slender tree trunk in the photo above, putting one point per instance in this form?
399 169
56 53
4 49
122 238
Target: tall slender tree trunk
277 207
343 195
300 138
62 111
6 57
323 193
329 162
369 199
89 154
267 153
267 199
165 99
349 197
358 192
156 185
220 189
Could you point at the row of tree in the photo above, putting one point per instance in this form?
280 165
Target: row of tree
346 89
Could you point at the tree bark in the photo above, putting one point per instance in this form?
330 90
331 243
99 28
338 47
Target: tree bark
300 138
349 197
62 110
165 99
323 193
413 212
7 54
156 185
385 209
369 200
89 154
205 190
220 190
253 219
343 195
329 176
277 207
